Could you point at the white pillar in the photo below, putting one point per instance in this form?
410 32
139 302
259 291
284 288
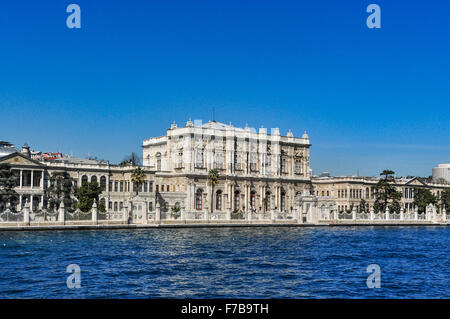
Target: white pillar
249 215
354 213
62 213
206 216
416 213
94 212
444 214
402 214
387 213
183 213
125 214
300 214
145 214
26 213
372 215
158 212
41 184
21 184
228 207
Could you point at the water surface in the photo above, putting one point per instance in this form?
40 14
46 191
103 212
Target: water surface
267 262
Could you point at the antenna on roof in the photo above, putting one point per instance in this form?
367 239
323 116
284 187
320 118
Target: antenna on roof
214 114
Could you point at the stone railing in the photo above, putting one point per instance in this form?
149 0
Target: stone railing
63 216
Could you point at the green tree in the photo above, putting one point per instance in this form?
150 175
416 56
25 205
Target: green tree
363 206
213 178
8 180
132 159
386 195
61 189
137 177
445 199
86 195
423 197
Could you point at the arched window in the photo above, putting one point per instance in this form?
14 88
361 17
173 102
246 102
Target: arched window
84 180
94 179
267 201
219 200
252 199
237 201
283 201
198 199
115 206
158 161
103 183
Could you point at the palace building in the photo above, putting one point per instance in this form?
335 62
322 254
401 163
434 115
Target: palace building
258 171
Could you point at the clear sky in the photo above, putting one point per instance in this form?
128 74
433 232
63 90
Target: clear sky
369 98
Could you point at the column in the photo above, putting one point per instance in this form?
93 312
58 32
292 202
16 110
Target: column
41 184
31 200
158 212
21 184
32 175
62 215
94 212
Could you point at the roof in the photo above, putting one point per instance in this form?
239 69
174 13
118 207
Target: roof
75 160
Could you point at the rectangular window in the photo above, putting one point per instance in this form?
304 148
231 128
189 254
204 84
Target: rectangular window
150 206
121 186
298 167
150 187
116 184
145 187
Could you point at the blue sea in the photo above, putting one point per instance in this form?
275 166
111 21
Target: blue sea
243 262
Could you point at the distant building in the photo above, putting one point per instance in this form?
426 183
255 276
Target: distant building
6 148
441 173
47 156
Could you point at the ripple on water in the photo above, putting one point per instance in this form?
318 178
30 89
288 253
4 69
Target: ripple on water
228 262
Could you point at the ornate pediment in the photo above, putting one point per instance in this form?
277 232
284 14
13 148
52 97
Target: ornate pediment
415 181
19 159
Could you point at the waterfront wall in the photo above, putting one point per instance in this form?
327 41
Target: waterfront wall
64 219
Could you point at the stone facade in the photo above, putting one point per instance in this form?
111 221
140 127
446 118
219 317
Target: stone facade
262 175
258 171
347 192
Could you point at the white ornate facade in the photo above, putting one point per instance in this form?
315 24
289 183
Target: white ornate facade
258 170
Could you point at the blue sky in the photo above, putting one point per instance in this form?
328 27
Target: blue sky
369 98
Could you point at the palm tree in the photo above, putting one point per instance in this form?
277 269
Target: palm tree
137 177
213 177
